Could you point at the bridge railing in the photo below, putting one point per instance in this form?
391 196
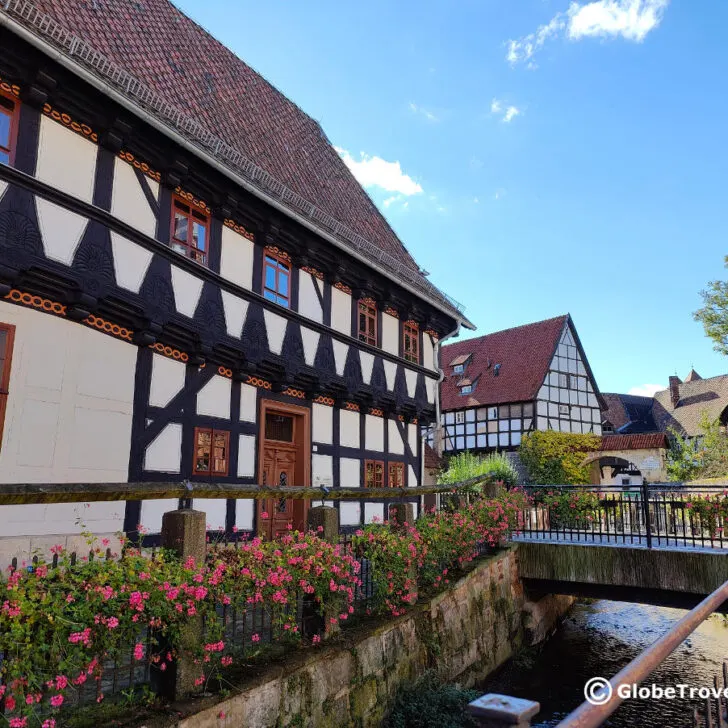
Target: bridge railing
643 515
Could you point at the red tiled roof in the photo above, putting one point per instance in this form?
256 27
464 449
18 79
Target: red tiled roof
432 460
184 64
460 359
634 442
524 354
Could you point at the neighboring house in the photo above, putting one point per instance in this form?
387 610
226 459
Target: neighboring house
630 459
500 386
193 284
680 407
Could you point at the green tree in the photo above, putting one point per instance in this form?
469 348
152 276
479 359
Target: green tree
704 456
714 313
557 458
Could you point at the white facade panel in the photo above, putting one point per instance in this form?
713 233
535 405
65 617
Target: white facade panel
168 379
349 513
309 304
131 262
349 429
236 309
395 443
276 327
164 452
61 230
322 424
310 344
246 456
373 512
66 160
187 289
213 400
390 334
340 311
374 433
128 201
340 352
322 470
248 403
236 258
350 473
215 510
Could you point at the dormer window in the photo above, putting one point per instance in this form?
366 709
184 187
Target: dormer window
466 386
460 363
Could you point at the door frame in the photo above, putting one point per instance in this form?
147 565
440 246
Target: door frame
301 440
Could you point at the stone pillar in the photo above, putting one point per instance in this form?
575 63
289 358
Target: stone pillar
502 711
401 513
185 533
326 517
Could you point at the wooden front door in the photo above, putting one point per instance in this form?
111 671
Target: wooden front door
284 462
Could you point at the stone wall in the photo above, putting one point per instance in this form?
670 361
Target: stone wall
463 634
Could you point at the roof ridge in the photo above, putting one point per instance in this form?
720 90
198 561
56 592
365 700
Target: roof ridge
508 330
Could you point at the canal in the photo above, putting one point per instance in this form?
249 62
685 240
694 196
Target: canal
598 639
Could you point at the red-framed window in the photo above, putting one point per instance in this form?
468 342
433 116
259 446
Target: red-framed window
373 474
396 475
7 337
411 342
190 233
212 452
277 278
368 321
9 113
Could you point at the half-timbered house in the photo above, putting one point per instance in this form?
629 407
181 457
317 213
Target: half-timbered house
500 386
192 284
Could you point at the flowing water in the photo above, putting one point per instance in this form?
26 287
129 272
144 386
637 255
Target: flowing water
598 639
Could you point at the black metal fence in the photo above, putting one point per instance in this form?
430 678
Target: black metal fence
641 515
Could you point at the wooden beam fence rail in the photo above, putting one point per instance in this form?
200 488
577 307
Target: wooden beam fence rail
48 493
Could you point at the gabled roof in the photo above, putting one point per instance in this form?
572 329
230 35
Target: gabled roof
693 376
698 396
524 353
629 413
213 95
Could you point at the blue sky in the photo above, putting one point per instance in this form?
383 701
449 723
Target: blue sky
537 157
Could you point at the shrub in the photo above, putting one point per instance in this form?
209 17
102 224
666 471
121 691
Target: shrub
570 508
556 458
711 511
495 467
429 704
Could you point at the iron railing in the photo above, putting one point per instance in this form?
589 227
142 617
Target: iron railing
652 516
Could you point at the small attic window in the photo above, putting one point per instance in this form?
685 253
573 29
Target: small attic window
466 389
460 362
458 369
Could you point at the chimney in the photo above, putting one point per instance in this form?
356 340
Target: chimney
675 390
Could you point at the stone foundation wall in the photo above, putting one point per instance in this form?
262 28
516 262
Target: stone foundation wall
464 634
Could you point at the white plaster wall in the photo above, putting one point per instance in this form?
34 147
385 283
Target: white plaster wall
341 311
66 160
390 334
168 378
236 258
308 300
276 327
128 201
246 456
411 379
373 512
349 513
349 432
367 364
187 289
61 230
395 443
428 352
244 514
131 262
215 510
412 479
213 399
248 403
165 451
235 312
153 510
390 372
340 352
412 436
374 433
322 470
68 419
322 423
350 472
310 341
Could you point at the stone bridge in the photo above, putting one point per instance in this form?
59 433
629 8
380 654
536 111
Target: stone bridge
678 577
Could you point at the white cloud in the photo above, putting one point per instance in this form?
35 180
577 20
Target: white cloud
646 390
511 113
628 19
377 172
414 108
507 113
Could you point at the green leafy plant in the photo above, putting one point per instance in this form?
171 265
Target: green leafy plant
710 512
495 468
569 508
431 704
704 456
557 458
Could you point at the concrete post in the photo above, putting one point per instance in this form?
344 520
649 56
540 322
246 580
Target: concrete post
501 711
185 533
326 517
401 513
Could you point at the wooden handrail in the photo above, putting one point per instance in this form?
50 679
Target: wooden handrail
40 493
